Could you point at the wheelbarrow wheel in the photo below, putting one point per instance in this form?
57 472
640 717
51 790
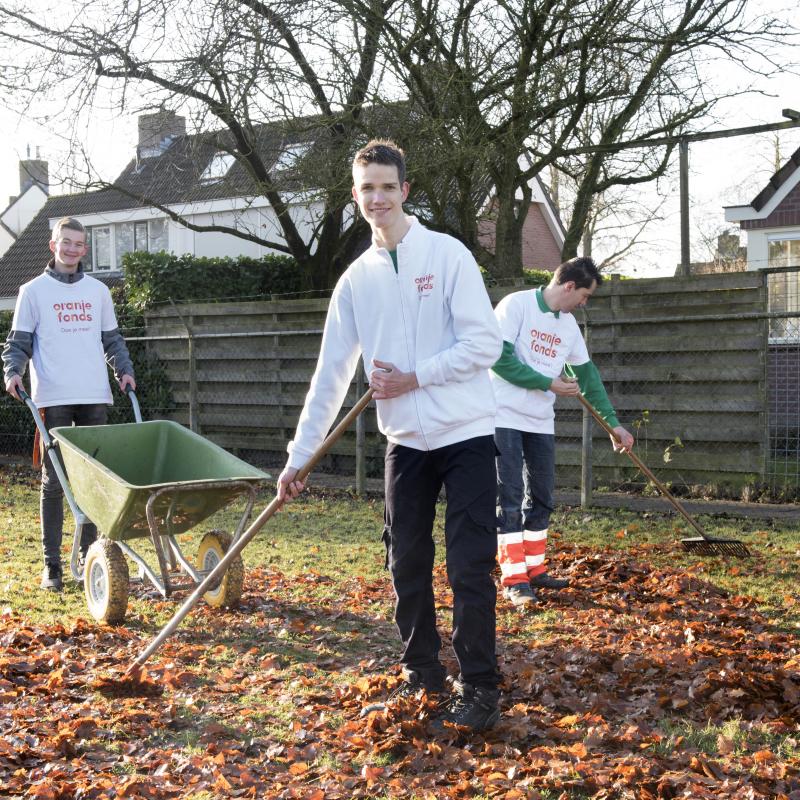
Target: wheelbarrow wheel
106 581
212 550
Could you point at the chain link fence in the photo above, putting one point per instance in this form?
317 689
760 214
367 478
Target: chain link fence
704 371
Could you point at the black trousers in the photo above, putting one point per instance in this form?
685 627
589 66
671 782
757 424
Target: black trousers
413 481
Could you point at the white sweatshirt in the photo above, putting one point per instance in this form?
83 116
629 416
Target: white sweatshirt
67 321
432 317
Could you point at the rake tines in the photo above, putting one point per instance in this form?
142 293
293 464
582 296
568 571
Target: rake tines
702 544
714 546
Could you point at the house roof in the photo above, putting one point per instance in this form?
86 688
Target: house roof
175 177
776 181
27 256
171 177
776 205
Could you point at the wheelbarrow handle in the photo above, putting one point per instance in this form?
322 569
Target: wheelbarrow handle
252 530
137 411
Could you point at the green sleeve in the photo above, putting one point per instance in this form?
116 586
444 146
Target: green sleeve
511 369
591 385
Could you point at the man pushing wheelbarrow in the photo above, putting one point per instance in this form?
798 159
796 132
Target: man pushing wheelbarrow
64 324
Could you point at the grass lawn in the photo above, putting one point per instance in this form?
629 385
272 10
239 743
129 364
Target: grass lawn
657 674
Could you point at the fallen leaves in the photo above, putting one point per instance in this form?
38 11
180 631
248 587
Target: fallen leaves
608 702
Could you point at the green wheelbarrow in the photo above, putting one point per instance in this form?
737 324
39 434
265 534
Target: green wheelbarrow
148 479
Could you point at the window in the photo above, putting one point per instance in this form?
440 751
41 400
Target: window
123 237
101 249
157 235
291 155
784 253
217 168
140 236
784 288
124 240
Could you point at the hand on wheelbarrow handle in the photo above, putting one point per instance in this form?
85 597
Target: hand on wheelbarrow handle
137 412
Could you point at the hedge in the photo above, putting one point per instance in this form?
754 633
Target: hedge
152 278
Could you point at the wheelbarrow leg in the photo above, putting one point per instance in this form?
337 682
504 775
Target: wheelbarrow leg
239 544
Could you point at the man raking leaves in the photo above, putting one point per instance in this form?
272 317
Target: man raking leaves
415 306
540 337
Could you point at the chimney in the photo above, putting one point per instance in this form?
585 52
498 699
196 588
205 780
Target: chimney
156 132
33 171
728 245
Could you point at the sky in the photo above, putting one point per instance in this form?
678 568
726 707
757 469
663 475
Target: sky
722 172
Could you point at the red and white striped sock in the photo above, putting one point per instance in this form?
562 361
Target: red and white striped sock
511 556
534 543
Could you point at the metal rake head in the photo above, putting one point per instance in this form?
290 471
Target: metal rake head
713 546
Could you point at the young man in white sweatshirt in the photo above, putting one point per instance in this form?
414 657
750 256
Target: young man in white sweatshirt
64 324
415 308
540 337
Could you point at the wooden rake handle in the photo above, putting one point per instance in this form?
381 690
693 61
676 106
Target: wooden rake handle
679 507
247 535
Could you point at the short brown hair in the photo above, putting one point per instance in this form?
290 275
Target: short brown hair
582 271
382 151
70 223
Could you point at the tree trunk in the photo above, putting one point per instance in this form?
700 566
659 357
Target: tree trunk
509 219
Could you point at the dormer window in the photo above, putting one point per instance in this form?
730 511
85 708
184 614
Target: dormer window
291 154
218 167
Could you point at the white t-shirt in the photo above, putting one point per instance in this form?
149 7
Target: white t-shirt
66 319
544 341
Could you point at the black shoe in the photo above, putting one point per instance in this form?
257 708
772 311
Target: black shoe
413 685
472 707
52 578
545 581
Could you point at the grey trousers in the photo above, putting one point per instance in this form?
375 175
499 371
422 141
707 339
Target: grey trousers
51 499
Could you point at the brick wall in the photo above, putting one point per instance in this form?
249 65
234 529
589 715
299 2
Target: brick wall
539 249
787 213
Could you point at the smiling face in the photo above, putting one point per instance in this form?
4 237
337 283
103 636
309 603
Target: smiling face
69 247
380 195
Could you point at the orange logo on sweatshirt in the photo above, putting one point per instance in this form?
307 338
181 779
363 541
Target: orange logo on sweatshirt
79 311
544 343
424 284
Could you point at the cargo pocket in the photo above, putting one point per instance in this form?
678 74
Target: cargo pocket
482 511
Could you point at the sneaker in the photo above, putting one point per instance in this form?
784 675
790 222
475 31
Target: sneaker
473 707
545 581
413 685
520 594
52 578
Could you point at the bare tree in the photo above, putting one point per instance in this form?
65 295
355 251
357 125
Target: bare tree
484 94
491 82
245 72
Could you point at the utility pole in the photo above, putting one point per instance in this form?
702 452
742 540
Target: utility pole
683 149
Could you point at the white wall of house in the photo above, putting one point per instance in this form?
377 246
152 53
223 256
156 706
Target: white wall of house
110 231
19 213
761 255
6 240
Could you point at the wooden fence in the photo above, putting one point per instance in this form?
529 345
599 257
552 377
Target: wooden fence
680 357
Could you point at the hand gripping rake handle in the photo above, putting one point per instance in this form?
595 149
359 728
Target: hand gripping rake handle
252 530
679 507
